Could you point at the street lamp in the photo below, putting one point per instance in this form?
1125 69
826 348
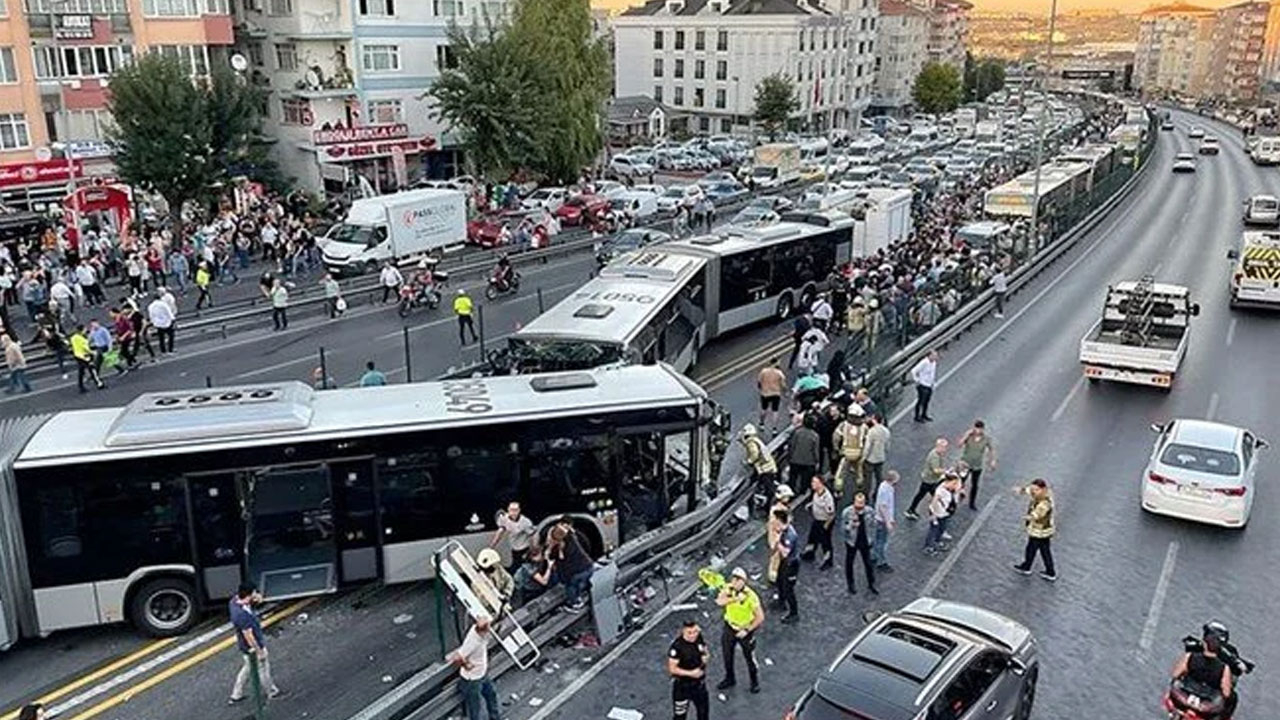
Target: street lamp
1040 127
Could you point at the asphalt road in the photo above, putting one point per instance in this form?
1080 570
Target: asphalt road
1130 585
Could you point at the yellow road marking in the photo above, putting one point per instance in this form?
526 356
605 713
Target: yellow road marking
128 693
100 672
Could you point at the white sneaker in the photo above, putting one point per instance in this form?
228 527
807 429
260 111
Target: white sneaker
946 536
999 316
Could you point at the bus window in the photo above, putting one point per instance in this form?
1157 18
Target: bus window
410 495
803 262
563 474
745 278
654 467
219 539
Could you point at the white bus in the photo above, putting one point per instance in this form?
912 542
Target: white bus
152 511
1060 185
667 301
1100 157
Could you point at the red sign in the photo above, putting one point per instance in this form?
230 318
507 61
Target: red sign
364 150
361 133
36 172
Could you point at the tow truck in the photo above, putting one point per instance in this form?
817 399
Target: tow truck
1142 335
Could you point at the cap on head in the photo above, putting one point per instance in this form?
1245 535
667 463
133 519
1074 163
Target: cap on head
749 430
784 492
855 410
488 558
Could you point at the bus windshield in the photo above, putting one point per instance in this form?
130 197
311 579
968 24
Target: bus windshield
552 355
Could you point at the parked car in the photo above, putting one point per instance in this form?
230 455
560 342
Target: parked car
634 239
726 192
486 231
549 199
678 195
715 178
581 209
629 166
608 188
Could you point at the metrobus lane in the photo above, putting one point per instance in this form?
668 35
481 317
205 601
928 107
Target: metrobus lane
358 641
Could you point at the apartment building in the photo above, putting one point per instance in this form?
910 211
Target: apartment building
1236 65
347 83
901 51
948 30
55 56
1175 50
704 58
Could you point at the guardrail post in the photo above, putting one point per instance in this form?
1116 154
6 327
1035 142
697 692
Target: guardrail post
324 371
408 358
259 701
480 313
541 310
223 329
208 381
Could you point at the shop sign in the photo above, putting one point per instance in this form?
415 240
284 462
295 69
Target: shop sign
88 149
35 173
356 151
361 134
74 27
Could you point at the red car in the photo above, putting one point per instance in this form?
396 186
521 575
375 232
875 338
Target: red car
486 230
582 209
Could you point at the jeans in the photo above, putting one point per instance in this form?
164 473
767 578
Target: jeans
974 477
937 527
787 574
1042 546
473 691
279 318
165 336
923 394
576 586
863 551
18 379
880 545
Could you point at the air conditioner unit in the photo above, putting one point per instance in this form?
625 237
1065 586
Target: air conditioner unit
74 84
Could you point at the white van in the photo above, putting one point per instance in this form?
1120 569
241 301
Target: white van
638 204
1262 210
1266 151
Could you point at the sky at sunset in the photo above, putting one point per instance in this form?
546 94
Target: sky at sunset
1037 6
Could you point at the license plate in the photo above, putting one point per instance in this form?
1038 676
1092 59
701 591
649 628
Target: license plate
1193 491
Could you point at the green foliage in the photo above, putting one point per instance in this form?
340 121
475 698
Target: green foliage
982 76
529 95
939 88
181 137
775 102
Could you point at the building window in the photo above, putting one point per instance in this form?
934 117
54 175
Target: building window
279 7
13 131
657 67
699 97
380 58
824 38
679 96
801 41
445 59
194 58
657 93
169 8
679 39
700 40
382 8
386 111
720 98
295 112
286 56
217 7
679 68
8 70
699 69
657 39
722 41
74 7
704 124
86 124
54 63
722 70
255 53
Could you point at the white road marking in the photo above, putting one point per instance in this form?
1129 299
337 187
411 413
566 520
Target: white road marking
1157 601
271 368
954 556
1062 406
445 304
1156 270
1231 331
1213 407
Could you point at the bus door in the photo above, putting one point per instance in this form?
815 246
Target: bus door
290 536
356 519
657 476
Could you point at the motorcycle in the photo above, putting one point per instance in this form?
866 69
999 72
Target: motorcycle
1188 700
498 287
416 295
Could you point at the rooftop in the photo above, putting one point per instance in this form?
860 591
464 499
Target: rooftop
686 8
1175 9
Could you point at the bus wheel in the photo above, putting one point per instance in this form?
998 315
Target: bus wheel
164 607
784 307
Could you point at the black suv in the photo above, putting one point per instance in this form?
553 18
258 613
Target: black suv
932 660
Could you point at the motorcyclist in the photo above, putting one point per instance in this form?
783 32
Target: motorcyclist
1205 669
424 277
503 273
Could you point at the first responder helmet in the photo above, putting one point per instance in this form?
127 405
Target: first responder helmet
488 558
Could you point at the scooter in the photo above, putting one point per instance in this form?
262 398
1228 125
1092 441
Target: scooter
1188 700
497 288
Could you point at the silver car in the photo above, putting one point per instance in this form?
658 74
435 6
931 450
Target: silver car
931 659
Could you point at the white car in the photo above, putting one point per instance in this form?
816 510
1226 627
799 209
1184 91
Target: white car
654 188
1196 132
677 195
1209 146
1184 162
1202 471
549 199
629 166
608 188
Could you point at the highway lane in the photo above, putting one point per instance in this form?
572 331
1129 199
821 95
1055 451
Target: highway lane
1108 631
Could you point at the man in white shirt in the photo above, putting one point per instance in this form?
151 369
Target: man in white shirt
62 293
999 286
822 312
162 319
941 507
472 659
87 276
925 375
391 280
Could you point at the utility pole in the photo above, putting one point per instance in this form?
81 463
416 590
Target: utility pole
1040 127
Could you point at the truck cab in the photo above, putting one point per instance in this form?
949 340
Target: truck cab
1255 279
1142 335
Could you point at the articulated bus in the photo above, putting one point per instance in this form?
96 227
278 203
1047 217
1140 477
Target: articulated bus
152 511
665 302
1100 157
1060 185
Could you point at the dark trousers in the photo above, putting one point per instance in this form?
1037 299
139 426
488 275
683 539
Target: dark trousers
800 475
787 575
465 325
165 337
974 477
686 692
728 640
204 296
475 691
1041 546
86 366
795 351
923 395
999 303
390 291
331 304
862 550
141 341
819 539
925 490
874 475
279 318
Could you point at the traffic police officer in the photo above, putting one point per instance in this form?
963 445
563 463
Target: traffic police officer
687 665
743 615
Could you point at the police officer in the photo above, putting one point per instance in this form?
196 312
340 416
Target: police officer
687 666
743 615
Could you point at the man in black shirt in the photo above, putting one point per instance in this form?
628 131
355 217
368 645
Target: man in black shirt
687 665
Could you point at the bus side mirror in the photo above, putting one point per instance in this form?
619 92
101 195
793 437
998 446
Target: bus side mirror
1195 309
1233 254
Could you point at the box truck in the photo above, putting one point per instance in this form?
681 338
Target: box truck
394 228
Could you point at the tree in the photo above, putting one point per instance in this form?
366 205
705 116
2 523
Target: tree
775 102
988 77
528 95
939 88
180 136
